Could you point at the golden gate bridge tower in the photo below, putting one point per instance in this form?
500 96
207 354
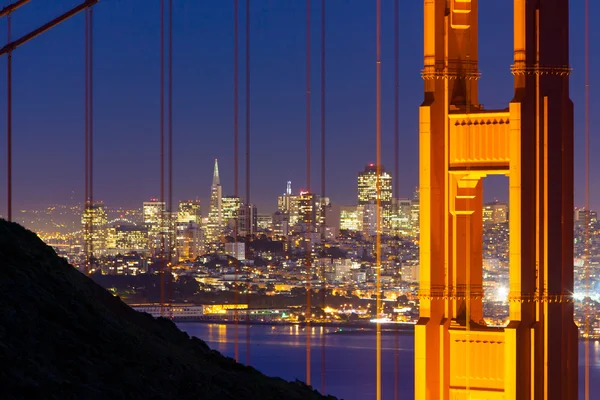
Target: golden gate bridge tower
531 142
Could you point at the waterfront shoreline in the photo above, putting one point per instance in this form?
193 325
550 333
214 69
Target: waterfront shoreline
361 326
353 327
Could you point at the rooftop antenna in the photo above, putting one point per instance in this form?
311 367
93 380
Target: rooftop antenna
288 189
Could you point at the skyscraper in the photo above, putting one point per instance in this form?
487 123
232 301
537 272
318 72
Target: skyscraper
215 214
288 203
308 211
153 212
161 227
367 191
189 232
247 219
230 206
93 220
189 240
367 186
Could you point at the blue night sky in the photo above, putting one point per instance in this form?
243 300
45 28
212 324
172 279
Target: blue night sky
49 110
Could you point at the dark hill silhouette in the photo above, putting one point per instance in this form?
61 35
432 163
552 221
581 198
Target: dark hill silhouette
62 336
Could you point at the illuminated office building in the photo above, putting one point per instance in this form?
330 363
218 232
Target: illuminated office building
349 219
153 213
126 238
401 217
361 218
231 208
322 204
288 203
367 213
189 241
264 222
410 271
580 216
495 213
129 264
280 223
93 221
415 211
247 220
367 191
160 226
189 211
307 210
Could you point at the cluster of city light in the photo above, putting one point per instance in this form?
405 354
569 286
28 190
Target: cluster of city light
502 294
580 296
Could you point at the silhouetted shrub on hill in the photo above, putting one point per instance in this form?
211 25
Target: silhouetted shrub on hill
62 336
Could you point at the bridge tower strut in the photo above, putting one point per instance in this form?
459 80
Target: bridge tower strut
531 141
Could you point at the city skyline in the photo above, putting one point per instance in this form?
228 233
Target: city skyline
455 201
50 171
272 205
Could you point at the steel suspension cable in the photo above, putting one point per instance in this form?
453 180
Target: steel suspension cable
248 215
89 210
9 122
378 199
323 187
91 110
162 157
171 227
396 164
308 221
236 163
587 202
87 222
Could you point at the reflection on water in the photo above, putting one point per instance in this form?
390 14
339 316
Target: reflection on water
349 357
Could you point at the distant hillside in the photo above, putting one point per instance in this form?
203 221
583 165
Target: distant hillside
62 336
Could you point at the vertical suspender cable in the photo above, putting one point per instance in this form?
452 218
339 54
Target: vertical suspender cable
308 221
9 124
248 208
396 162
323 165
323 205
162 156
378 198
86 98
171 222
396 98
248 102
235 160
91 127
88 94
587 200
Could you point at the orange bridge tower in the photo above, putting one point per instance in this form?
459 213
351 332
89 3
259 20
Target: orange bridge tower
531 141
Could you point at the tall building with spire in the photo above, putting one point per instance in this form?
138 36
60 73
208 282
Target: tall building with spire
288 203
215 213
